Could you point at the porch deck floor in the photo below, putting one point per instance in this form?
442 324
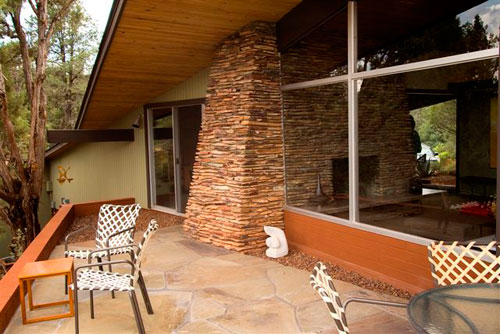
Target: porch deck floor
198 288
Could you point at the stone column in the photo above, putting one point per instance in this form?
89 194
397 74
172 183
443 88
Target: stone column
238 177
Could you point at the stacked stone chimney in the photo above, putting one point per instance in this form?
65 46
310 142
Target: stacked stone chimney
238 181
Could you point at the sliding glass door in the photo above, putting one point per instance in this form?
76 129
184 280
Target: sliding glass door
188 123
162 158
173 136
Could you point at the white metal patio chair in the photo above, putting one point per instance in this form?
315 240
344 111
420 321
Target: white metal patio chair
98 280
461 263
323 284
115 228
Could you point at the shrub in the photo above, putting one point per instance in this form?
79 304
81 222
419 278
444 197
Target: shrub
18 243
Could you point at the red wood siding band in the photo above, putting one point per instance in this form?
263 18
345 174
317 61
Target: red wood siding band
400 263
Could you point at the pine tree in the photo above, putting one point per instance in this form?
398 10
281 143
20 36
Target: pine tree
22 175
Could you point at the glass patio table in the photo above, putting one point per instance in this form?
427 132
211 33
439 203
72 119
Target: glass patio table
464 308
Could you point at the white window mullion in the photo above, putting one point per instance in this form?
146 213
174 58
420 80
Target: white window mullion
398 69
151 171
352 93
177 159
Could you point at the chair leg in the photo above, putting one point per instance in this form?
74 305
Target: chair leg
91 304
101 268
137 312
145 295
65 280
75 300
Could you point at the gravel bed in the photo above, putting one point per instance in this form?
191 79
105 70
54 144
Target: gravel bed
145 216
306 262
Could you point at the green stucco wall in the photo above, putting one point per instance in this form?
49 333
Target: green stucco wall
193 88
103 171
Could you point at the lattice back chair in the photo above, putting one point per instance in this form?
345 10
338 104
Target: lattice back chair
462 263
98 280
323 284
115 227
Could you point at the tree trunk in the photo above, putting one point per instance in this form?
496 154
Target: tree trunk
18 219
22 180
68 107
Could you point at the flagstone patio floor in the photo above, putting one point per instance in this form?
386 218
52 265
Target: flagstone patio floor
199 288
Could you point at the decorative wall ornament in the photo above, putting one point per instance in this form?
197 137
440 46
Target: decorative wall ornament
276 242
63 175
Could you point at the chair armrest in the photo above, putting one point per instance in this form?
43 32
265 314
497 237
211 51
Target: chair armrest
372 301
103 263
75 232
107 250
83 266
117 233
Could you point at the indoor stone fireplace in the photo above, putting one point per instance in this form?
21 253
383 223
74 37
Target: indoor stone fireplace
316 127
368 173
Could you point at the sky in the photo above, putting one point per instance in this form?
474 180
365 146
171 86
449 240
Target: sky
489 12
99 11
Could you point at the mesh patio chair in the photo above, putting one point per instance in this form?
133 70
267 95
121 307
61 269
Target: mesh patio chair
323 284
98 280
461 263
115 228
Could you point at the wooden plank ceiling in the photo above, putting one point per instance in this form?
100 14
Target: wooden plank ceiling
159 44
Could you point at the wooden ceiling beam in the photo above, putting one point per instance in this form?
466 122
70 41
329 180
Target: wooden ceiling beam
86 136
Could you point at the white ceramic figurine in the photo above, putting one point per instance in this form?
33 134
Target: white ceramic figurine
276 242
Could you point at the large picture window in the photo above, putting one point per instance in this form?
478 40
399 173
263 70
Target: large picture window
435 30
423 173
399 133
314 119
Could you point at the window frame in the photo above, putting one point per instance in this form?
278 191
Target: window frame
351 78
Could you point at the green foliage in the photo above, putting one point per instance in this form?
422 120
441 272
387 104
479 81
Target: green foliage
437 126
448 166
444 38
444 155
74 45
71 55
16 92
18 243
476 37
29 59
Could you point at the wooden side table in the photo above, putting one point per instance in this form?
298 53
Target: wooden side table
40 269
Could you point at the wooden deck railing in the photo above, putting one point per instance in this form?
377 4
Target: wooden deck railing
40 249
